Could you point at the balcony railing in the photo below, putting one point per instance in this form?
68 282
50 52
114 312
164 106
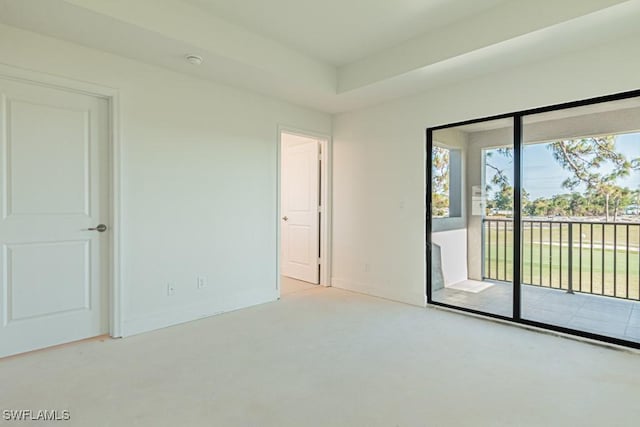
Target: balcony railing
591 257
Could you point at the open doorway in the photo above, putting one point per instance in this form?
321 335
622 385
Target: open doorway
303 211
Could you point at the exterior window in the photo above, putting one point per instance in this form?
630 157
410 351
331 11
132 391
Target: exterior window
440 189
447 182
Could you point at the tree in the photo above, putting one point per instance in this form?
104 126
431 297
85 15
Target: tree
503 196
560 204
499 178
440 181
539 207
594 163
578 204
503 199
525 196
621 197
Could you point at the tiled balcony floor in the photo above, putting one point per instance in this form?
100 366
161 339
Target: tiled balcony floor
613 317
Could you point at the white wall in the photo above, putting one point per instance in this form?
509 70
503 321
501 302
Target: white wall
199 171
453 255
379 160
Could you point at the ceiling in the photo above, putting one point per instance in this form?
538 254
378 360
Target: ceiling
331 55
342 31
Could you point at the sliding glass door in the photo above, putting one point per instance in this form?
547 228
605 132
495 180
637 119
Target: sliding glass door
472 206
534 217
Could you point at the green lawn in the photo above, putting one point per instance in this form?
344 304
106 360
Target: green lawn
546 262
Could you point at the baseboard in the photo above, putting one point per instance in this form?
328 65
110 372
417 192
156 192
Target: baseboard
190 313
372 290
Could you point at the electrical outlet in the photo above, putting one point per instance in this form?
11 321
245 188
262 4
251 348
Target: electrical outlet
201 282
171 289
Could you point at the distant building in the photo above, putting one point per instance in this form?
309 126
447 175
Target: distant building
632 210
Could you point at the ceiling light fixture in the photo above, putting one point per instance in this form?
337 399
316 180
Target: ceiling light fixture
194 59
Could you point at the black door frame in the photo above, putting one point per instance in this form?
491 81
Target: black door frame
517 216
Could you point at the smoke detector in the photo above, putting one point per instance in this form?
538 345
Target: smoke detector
194 59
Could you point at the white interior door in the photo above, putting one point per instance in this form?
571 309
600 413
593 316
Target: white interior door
300 201
53 188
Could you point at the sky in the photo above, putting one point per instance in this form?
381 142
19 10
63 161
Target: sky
543 175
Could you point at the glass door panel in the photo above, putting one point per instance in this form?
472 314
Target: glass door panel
581 218
471 223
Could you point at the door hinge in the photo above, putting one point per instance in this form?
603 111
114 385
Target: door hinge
319 261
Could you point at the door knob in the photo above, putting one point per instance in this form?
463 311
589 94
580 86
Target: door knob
286 218
101 228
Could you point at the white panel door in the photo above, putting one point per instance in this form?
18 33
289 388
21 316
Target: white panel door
300 200
53 188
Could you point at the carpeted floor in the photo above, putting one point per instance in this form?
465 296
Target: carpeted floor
327 357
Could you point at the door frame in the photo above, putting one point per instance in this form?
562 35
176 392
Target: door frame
112 96
325 195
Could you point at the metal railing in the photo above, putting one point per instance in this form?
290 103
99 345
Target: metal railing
591 257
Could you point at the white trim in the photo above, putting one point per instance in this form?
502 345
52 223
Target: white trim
112 96
326 195
200 310
115 294
325 223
